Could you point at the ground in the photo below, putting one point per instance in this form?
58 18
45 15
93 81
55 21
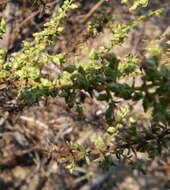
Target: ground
33 149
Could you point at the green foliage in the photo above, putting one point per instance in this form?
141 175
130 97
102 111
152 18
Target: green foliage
105 74
2 27
136 3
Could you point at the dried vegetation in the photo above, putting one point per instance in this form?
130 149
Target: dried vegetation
33 137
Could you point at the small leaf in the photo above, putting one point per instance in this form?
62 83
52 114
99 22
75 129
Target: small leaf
99 143
70 68
103 97
94 56
2 52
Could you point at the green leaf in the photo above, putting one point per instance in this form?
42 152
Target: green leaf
109 115
124 1
99 143
2 52
80 81
34 72
139 3
59 59
70 68
103 97
94 56
110 74
113 87
2 27
137 96
46 82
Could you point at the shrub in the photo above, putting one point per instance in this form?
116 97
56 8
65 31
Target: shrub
105 74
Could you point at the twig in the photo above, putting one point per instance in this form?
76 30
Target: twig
28 18
36 13
34 121
92 11
146 138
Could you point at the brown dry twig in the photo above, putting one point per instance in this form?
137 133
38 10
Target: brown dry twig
92 11
34 121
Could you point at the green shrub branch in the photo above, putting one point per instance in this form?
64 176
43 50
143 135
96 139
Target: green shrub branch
103 73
